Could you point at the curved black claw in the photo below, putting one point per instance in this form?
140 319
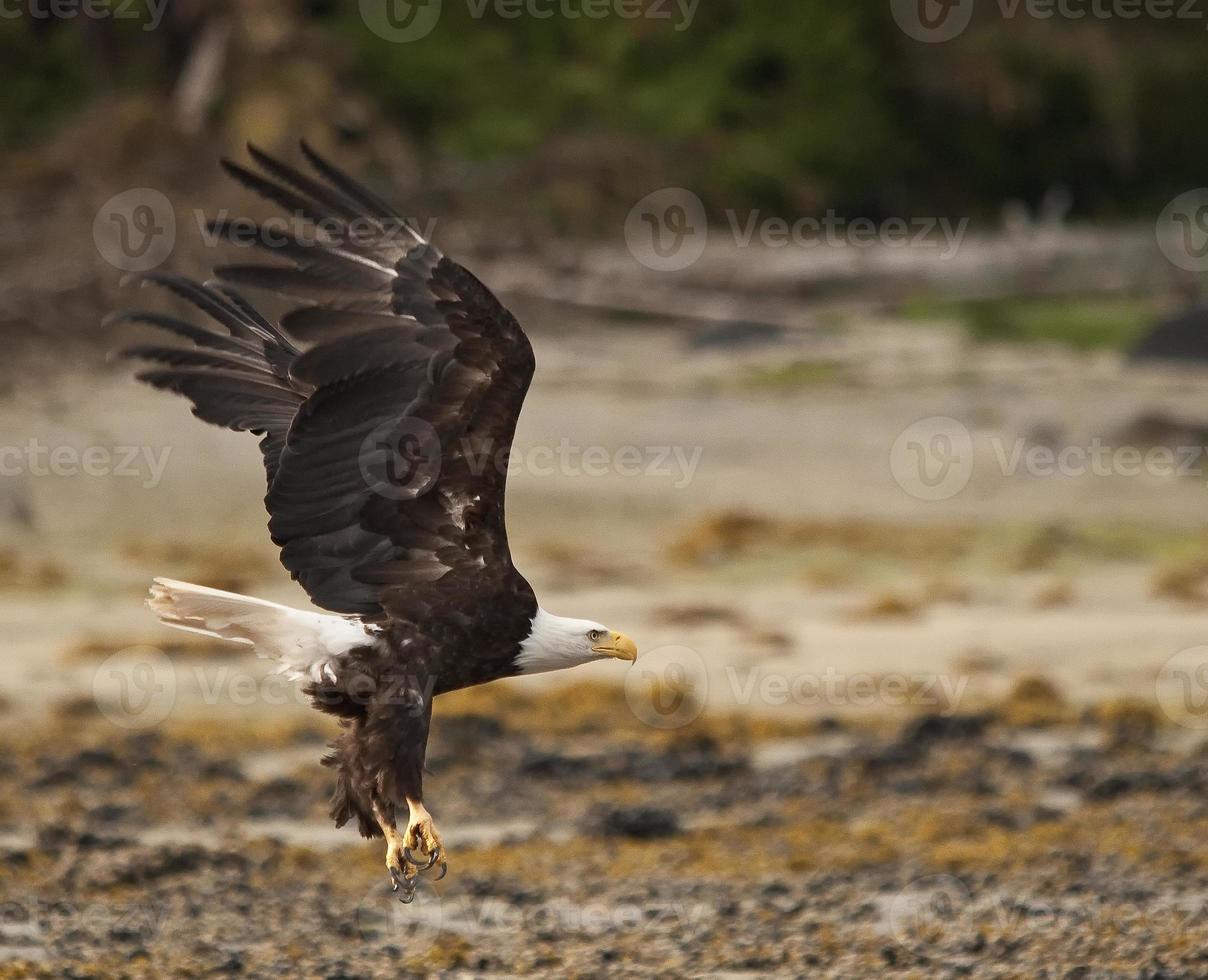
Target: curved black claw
419 863
444 870
403 883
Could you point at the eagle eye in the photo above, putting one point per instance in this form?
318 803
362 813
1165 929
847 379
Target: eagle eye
595 635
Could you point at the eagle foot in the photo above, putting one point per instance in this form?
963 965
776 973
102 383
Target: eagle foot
422 847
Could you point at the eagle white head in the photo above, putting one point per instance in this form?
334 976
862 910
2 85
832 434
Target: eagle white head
555 643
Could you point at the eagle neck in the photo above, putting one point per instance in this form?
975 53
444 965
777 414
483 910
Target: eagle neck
553 643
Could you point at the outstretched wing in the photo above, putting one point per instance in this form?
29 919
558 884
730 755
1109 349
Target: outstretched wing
386 433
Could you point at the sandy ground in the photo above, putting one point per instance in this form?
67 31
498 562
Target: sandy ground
633 441
882 722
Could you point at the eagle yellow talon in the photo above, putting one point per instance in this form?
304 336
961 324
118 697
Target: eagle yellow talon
421 843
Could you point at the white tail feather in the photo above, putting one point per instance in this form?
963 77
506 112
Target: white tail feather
303 643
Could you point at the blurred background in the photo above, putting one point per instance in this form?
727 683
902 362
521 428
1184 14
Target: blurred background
871 400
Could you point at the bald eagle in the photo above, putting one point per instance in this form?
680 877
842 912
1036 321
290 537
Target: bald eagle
385 405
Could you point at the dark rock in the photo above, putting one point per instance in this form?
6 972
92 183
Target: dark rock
469 728
54 776
109 813
126 934
1182 337
52 836
97 759
1121 784
1013 758
911 785
145 866
698 759
221 769
55 837
937 728
549 765
736 334
280 797
231 965
996 817
89 841
638 823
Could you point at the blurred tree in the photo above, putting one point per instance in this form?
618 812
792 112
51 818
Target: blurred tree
754 103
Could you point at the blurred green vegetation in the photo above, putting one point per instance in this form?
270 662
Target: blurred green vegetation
795 106
785 99
792 376
801 105
1082 322
53 67
43 83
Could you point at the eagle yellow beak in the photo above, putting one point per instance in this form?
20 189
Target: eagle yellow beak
617 645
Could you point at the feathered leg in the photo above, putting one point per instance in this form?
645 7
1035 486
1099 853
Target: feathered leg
379 759
392 750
